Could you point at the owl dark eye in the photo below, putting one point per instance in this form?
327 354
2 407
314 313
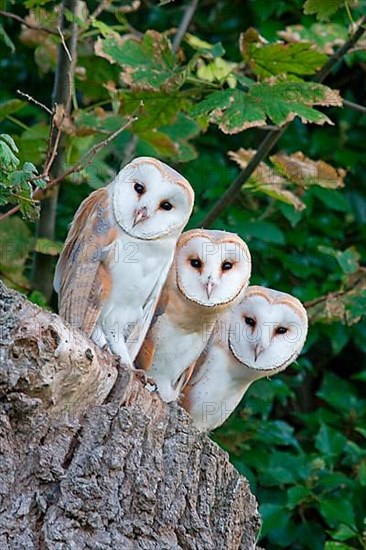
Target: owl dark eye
249 321
281 330
166 205
226 266
196 263
139 188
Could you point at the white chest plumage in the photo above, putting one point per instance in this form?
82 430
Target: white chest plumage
216 389
176 349
142 266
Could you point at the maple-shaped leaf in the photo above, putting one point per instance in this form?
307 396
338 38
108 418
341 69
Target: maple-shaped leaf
304 171
267 60
322 8
147 64
287 172
324 36
281 102
266 180
346 305
233 110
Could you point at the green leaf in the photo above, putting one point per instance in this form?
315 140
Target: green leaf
324 35
273 517
338 393
16 244
298 495
8 150
343 533
330 545
361 472
34 3
349 260
330 442
11 106
268 60
235 110
322 8
204 48
265 231
149 64
48 247
217 70
337 511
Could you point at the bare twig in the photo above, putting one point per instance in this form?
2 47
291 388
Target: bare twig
39 194
272 137
184 24
341 52
100 8
85 161
354 106
9 213
35 101
25 23
53 148
64 44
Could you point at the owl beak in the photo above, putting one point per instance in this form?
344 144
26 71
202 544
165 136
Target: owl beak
209 286
140 215
258 349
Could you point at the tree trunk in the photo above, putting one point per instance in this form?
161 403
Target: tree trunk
89 458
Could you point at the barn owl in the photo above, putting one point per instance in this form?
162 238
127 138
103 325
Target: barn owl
118 253
259 337
210 272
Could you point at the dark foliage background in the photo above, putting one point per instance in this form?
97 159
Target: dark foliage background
300 437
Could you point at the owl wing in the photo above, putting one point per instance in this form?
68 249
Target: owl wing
195 372
82 278
154 307
147 351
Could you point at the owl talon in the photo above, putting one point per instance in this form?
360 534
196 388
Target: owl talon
148 382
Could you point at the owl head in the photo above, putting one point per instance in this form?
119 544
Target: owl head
212 267
150 199
268 329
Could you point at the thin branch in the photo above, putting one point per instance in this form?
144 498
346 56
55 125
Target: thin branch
9 213
316 301
100 8
35 101
39 194
272 137
341 52
25 23
184 24
85 161
64 44
354 106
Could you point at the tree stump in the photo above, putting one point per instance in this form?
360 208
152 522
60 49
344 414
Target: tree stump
89 458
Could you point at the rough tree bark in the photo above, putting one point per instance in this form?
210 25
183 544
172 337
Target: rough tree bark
89 458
